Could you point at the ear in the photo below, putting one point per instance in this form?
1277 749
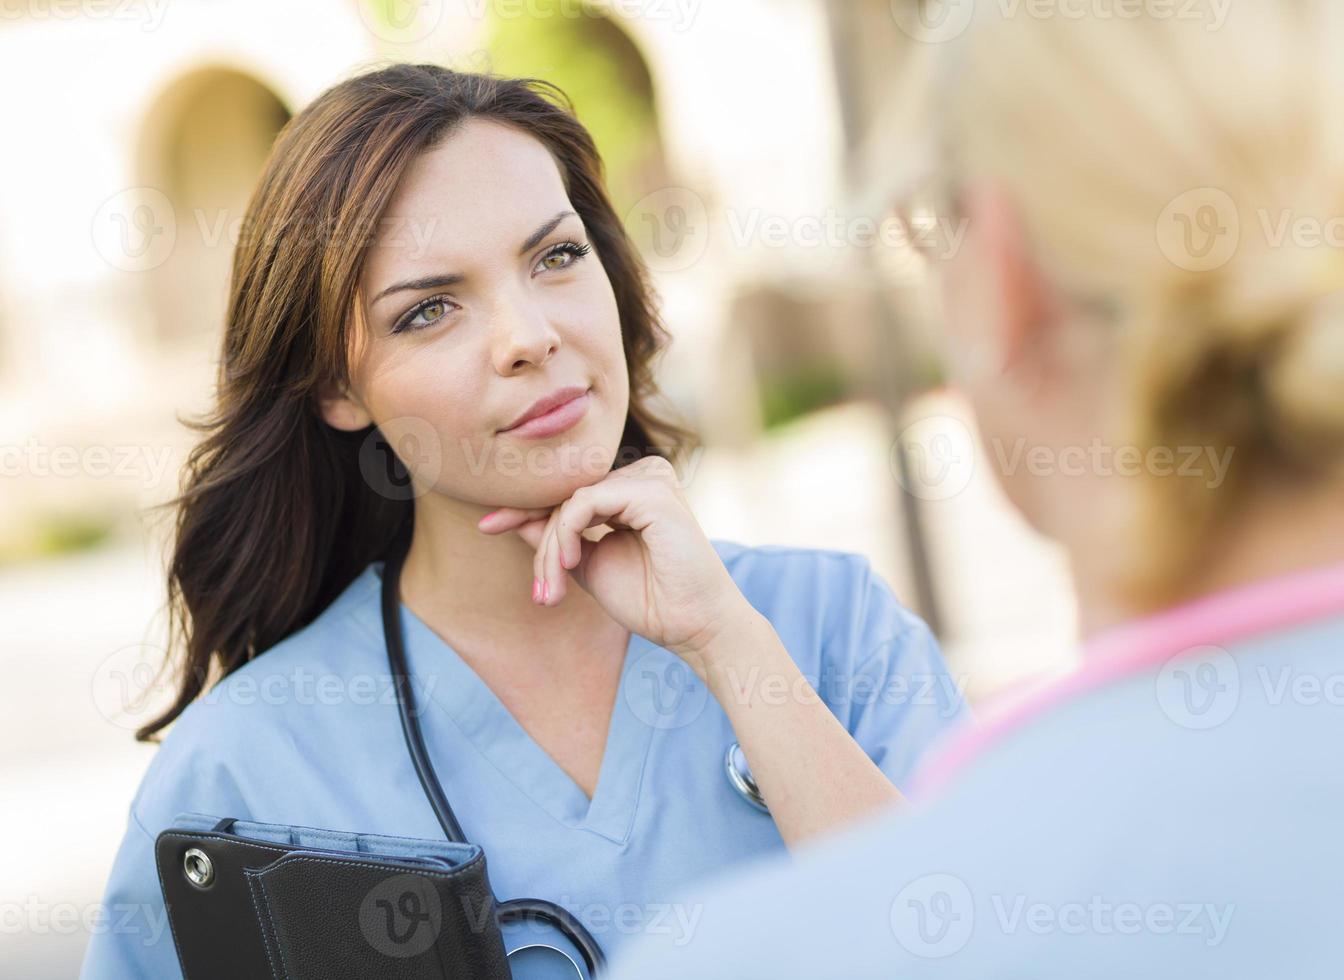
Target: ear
341 409
1016 286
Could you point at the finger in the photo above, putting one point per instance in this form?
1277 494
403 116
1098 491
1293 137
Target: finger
556 577
532 531
608 502
578 569
537 577
557 574
539 559
571 542
508 518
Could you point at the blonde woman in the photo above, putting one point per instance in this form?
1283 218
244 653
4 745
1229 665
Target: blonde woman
1150 202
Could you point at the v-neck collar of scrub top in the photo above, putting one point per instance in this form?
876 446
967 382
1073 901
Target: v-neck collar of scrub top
483 719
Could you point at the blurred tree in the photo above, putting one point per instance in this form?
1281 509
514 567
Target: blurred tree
605 76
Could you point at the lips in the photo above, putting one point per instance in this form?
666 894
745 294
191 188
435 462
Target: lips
552 413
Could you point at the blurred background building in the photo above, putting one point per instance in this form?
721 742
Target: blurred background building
748 144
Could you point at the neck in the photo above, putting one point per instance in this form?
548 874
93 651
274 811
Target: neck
475 589
1274 534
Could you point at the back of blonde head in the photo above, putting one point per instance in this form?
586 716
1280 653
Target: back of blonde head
1182 165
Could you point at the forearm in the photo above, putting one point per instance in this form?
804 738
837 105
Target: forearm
812 773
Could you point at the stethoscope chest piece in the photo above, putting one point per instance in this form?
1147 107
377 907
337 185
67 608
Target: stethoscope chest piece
739 777
544 958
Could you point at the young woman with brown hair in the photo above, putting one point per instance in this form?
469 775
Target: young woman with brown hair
440 341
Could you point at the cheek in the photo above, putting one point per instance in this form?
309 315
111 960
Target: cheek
430 384
428 405
591 322
972 364
610 319
962 291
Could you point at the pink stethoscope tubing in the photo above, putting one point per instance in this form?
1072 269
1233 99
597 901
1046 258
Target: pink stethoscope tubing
1225 617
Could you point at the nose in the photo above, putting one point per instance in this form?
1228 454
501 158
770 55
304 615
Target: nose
524 336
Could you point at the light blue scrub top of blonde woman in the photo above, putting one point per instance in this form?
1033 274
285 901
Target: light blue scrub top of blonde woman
307 734
1179 818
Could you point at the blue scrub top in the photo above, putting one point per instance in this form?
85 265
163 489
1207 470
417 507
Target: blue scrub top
307 734
1181 822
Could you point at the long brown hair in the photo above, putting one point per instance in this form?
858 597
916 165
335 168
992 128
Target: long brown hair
275 519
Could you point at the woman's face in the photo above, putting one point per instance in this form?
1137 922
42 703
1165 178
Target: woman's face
1040 379
481 295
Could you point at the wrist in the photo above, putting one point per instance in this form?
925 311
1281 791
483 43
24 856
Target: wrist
726 641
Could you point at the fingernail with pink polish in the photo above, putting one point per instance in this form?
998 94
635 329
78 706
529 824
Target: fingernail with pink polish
536 589
545 591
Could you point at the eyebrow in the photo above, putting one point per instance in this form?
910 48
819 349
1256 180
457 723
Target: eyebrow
440 281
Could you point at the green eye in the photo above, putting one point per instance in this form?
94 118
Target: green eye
563 256
426 314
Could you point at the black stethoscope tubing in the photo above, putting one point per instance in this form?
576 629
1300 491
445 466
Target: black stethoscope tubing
535 909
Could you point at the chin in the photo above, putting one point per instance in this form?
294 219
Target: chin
551 474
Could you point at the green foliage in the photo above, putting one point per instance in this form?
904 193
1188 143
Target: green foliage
601 71
56 534
785 397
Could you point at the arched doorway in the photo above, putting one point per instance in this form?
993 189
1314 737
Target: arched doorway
204 142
